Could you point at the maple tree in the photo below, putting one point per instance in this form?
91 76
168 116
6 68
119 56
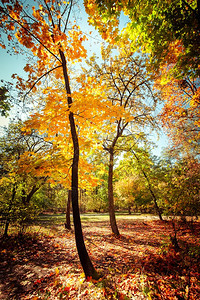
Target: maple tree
46 34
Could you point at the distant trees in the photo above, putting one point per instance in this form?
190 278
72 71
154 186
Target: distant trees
136 181
179 188
175 184
20 161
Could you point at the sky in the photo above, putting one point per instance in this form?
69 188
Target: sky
10 64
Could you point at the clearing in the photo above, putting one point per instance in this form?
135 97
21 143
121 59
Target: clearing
140 264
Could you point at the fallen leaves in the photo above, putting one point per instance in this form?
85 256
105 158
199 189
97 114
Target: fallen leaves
138 265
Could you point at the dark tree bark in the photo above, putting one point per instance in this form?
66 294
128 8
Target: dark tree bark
86 263
8 216
68 223
129 210
113 222
173 239
111 206
26 198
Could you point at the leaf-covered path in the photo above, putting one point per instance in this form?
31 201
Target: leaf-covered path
138 265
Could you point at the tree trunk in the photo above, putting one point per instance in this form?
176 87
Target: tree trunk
156 205
86 263
150 188
26 198
8 216
68 223
6 227
113 222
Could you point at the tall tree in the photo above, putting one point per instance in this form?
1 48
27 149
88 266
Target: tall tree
130 103
46 34
139 165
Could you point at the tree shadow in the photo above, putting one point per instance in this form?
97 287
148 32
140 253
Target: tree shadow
25 259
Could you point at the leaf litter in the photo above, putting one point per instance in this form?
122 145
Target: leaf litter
140 264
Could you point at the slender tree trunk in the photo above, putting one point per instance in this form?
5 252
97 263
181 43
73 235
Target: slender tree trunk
150 189
8 216
113 222
86 263
6 227
68 223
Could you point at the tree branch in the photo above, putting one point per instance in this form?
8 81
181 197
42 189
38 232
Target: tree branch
40 79
31 34
66 23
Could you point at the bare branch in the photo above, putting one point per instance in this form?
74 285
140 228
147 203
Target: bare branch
69 12
49 13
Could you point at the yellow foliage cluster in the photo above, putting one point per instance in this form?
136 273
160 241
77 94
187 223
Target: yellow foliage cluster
108 28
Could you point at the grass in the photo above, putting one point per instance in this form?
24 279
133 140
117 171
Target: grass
50 219
45 222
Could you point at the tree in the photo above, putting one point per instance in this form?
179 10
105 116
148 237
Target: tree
169 32
179 187
157 27
138 169
130 102
20 160
46 34
129 188
149 184
97 197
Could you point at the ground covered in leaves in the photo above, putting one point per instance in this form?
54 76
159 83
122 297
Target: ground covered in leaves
140 264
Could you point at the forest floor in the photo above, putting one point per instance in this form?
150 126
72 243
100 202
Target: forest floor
140 264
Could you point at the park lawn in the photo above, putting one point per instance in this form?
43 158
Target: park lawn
140 264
